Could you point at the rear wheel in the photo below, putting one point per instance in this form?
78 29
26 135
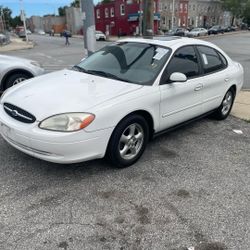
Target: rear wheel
224 110
128 141
15 79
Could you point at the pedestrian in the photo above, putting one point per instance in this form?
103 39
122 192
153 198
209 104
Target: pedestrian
66 34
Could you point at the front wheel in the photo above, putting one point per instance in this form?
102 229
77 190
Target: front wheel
128 141
15 79
224 110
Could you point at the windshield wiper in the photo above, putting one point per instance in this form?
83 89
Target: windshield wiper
106 74
80 69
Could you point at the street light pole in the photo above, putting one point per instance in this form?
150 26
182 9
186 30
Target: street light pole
87 8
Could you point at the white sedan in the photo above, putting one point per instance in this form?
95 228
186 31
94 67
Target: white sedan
14 70
113 102
197 32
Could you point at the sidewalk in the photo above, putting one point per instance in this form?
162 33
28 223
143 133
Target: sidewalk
16 44
241 108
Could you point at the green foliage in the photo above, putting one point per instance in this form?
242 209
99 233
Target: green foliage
16 21
5 13
75 3
246 13
62 11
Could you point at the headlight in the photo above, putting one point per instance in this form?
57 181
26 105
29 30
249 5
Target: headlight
67 122
37 64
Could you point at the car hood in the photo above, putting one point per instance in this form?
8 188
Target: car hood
65 91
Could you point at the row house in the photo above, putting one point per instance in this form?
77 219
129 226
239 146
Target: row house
123 17
190 13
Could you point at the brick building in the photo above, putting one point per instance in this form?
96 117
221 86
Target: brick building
123 17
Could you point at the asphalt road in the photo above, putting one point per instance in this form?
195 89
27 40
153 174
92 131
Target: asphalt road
190 189
237 46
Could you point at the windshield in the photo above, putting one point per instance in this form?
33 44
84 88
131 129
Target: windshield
132 62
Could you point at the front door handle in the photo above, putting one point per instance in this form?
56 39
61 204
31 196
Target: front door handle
198 87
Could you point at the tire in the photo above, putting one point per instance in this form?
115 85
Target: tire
128 141
224 109
15 79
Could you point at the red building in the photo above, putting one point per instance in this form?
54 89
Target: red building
183 13
122 17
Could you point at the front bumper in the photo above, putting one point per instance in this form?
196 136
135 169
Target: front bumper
51 146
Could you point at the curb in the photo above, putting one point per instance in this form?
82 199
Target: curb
13 47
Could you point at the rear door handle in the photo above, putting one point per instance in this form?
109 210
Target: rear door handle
198 87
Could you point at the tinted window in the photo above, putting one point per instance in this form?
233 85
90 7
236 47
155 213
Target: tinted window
184 61
211 60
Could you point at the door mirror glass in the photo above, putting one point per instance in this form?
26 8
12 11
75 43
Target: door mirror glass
177 77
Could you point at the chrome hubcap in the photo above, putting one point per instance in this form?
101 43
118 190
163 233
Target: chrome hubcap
18 80
227 103
131 141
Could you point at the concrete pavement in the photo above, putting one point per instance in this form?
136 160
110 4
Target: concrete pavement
241 108
16 44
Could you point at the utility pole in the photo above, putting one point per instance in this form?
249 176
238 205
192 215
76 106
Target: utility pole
23 18
173 14
87 8
148 18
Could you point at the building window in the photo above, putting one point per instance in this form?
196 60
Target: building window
112 12
122 9
98 13
106 12
185 8
194 7
181 7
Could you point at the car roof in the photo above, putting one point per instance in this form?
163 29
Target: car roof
169 41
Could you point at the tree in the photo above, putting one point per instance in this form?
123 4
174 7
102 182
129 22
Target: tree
236 7
75 4
246 13
5 14
16 21
62 11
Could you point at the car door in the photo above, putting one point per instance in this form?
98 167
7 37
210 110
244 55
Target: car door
181 101
215 76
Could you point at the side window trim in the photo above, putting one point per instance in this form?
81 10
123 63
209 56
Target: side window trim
200 72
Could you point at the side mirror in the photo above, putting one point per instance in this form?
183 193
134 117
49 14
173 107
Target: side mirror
177 77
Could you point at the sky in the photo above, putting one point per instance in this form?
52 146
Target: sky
35 7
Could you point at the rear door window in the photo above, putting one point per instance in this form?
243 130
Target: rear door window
212 60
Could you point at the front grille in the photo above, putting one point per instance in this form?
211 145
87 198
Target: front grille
18 113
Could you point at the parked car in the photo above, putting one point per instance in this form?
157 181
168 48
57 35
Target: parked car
41 32
178 32
197 32
3 39
14 70
215 30
114 101
100 36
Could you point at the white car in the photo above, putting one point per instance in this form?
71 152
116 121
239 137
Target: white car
41 32
197 32
100 36
13 70
114 101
